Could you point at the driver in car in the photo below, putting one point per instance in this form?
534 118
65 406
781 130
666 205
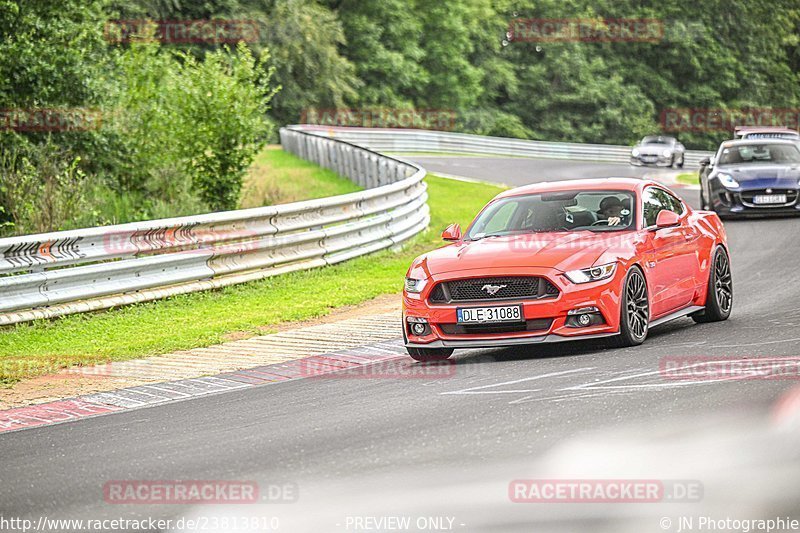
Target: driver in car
612 210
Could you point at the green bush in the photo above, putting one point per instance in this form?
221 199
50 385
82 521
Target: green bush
191 127
42 188
220 105
178 132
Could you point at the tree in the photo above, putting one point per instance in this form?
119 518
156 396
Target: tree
304 38
383 43
52 59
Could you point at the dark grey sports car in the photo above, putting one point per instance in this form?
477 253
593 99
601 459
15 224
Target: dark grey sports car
658 150
752 176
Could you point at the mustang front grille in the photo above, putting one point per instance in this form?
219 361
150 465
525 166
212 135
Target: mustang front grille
493 289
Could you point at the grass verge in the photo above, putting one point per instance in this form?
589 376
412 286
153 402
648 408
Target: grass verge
689 178
203 319
278 177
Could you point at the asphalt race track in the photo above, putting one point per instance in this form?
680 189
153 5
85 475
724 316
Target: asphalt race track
514 171
342 454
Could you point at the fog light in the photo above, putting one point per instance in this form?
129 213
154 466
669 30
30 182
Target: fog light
418 326
584 317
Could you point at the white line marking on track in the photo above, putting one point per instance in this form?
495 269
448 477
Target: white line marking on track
473 390
797 339
603 387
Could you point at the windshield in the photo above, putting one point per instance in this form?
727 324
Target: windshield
759 153
555 211
657 140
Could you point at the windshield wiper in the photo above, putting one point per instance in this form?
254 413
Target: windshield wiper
478 238
521 232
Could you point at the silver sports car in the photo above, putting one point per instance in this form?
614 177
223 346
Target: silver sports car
658 150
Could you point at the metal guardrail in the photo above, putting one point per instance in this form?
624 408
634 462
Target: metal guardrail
400 141
53 274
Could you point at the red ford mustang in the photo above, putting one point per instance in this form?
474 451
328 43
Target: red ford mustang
568 260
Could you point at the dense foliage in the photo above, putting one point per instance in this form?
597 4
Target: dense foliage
181 122
150 130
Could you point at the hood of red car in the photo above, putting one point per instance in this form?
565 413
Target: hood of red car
560 250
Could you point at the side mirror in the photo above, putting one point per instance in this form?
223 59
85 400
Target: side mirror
667 219
452 233
706 161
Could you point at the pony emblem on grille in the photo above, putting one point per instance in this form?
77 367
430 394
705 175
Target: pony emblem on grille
491 290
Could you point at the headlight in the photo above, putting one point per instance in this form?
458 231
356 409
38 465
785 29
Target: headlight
727 180
597 273
415 285
635 152
666 153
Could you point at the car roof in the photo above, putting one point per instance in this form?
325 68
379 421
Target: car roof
740 142
589 184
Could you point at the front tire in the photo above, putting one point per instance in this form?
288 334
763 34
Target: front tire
429 355
719 298
634 310
683 160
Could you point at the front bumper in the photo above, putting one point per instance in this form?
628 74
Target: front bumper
739 202
658 161
497 343
550 313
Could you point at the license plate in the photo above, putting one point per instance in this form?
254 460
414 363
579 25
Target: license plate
769 199
482 315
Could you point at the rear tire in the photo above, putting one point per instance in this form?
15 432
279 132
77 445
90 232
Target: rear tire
719 299
634 310
428 355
